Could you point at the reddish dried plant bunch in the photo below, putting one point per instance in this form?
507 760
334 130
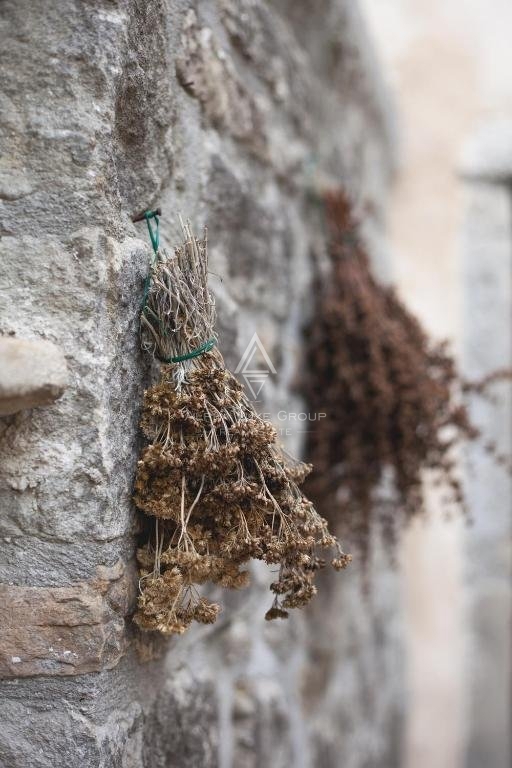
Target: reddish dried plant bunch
212 481
391 396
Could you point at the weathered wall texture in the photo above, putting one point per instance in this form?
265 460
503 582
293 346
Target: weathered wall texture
228 112
487 168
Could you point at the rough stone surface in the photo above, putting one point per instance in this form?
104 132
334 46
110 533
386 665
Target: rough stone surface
261 724
90 720
230 113
31 373
488 572
65 630
359 727
207 73
183 729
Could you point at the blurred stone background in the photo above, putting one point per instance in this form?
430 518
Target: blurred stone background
232 112
450 224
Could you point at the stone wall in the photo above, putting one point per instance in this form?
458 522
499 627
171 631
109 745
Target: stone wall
229 112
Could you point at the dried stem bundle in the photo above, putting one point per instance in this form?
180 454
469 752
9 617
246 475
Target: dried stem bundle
212 478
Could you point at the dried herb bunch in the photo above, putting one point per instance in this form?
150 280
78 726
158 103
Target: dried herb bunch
212 481
393 398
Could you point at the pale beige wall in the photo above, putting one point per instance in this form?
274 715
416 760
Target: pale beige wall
449 64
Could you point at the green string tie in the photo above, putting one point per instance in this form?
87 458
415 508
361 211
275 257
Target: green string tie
154 233
154 236
206 347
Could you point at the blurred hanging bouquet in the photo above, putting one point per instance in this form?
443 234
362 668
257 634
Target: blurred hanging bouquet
393 398
212 481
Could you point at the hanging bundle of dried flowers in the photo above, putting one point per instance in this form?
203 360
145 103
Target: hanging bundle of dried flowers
214 484
392 397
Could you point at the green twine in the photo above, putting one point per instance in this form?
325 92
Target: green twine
154 236
194 353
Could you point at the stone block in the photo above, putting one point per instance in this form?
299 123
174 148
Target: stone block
32 373
209 74
182 729
261 725
64 630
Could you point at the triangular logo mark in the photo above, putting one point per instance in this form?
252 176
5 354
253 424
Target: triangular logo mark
254 377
